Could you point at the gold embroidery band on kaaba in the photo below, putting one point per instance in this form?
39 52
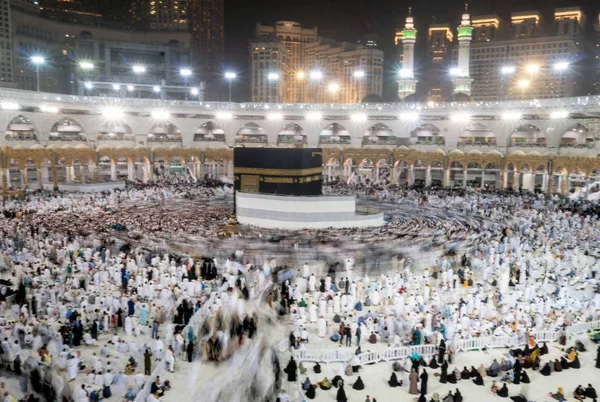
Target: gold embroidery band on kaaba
278 172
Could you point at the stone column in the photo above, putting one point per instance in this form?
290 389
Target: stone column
44 174
41 177
560 184
568 185
504 182
411 176
113 172
446 179
23 179
82 172
428 177
545 183
465 178
482 178
130 172
68 176
8 183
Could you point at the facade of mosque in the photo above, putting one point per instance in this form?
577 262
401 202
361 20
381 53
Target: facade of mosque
548 145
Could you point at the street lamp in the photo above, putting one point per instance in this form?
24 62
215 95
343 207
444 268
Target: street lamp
561 66
86 65
523 84
316 76
358 75
38 61
194 91
271 77
230 76
507 71
532 68
333 87
138 69
185 72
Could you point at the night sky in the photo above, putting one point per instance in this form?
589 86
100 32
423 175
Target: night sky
350 19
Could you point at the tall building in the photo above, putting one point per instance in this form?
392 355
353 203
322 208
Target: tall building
112 52
268 62
206 23
570 21
295 39
204 19
161 15
486 28
488 59
439 47
525 24
408 37
462 78
6 45
596 56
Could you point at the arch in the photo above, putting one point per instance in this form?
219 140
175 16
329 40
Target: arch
21 128
115 130
251 132
524 167
456 165
291 133
209 131
334 133
578 136
418 164
366 163
474 165
527 135
477 134
379 134
382 163
333 162
437 165
427 134
349 162
401 164
164 131
67 129
492 166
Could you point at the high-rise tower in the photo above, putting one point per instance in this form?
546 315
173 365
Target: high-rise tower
462 80
406 78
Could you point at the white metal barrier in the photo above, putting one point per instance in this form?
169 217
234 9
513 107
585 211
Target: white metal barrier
492 342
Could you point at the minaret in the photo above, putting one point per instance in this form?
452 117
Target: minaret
406 79
462 80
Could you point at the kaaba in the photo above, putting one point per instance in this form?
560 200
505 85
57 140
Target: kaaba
280 171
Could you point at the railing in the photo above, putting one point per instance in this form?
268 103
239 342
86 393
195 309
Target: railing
489 342
36 98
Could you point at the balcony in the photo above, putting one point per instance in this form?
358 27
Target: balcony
164 138
204 138
339 140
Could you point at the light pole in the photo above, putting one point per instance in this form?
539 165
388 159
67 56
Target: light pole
230 76
272 77
316 76
333 88
86 67
404 74
507 71
358 75
299 95
38 61
138 70
562 67
523 84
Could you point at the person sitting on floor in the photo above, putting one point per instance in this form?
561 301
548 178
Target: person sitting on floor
393 382
358 385
325 384
579 393
546 370
559 395
590 392
503 392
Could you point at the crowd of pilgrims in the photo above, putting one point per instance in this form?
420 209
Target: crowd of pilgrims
510 263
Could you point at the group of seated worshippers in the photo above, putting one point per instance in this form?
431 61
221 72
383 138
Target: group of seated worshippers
571 360
581 393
